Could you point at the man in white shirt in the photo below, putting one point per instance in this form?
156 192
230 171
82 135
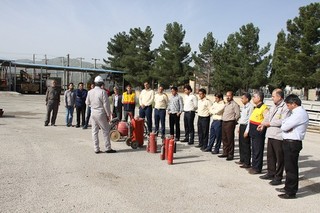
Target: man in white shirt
245 142
294 128
189 108
146 99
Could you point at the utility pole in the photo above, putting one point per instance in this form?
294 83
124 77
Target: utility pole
68 64
80 58
45 59
95 62
82 74
34 69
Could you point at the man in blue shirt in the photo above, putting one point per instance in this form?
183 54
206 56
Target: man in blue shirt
293 128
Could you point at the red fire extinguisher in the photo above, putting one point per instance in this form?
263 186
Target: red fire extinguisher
170 151
166 147
152 143
163 151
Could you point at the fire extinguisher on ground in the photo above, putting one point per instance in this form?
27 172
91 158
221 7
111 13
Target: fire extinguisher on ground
170 151
163 150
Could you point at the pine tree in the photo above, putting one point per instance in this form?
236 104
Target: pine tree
302 47
204 65
131 52
278 71
172 57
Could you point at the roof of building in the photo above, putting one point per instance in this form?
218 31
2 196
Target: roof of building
56 67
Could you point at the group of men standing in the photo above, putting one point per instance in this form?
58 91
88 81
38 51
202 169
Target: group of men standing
284 123
285 133
75 99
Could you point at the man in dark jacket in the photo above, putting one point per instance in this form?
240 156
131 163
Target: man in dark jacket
52 103
117 103
81 95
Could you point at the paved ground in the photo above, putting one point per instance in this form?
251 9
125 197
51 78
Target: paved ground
54 169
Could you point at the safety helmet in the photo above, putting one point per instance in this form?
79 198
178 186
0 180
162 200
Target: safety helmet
98 79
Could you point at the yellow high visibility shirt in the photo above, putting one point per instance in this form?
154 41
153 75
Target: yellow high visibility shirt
257 115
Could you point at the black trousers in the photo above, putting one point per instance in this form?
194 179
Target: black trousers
244 146
228 137
203 131
291 150
257 142
81 111
189 125
174 120
117 112
275 159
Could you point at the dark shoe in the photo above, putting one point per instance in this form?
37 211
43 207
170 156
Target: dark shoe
45 124
207 150
184 140
239 162
281 190
222 156
286 196
97 152
198 146
245 166
214 152
253 171
190 143
111 151
85 127
229 158
202 149
77 126
266 177
275 182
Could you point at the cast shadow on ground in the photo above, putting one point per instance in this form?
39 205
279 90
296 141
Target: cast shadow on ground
184 162
314 170
185 157
8 116
309 190
139 149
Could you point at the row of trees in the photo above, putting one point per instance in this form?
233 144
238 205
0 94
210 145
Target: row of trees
237 64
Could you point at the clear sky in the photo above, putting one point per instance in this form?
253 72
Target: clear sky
82 28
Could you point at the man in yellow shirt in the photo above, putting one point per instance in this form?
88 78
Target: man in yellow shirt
216 111
146 99
256 133
204 106
129 102
161 104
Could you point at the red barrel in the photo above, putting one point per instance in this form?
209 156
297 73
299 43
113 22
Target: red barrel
123 128
138 129
152 143
170 151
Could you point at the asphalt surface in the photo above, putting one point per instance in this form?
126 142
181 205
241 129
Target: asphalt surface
55 169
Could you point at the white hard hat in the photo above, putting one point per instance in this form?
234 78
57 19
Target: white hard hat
98 79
